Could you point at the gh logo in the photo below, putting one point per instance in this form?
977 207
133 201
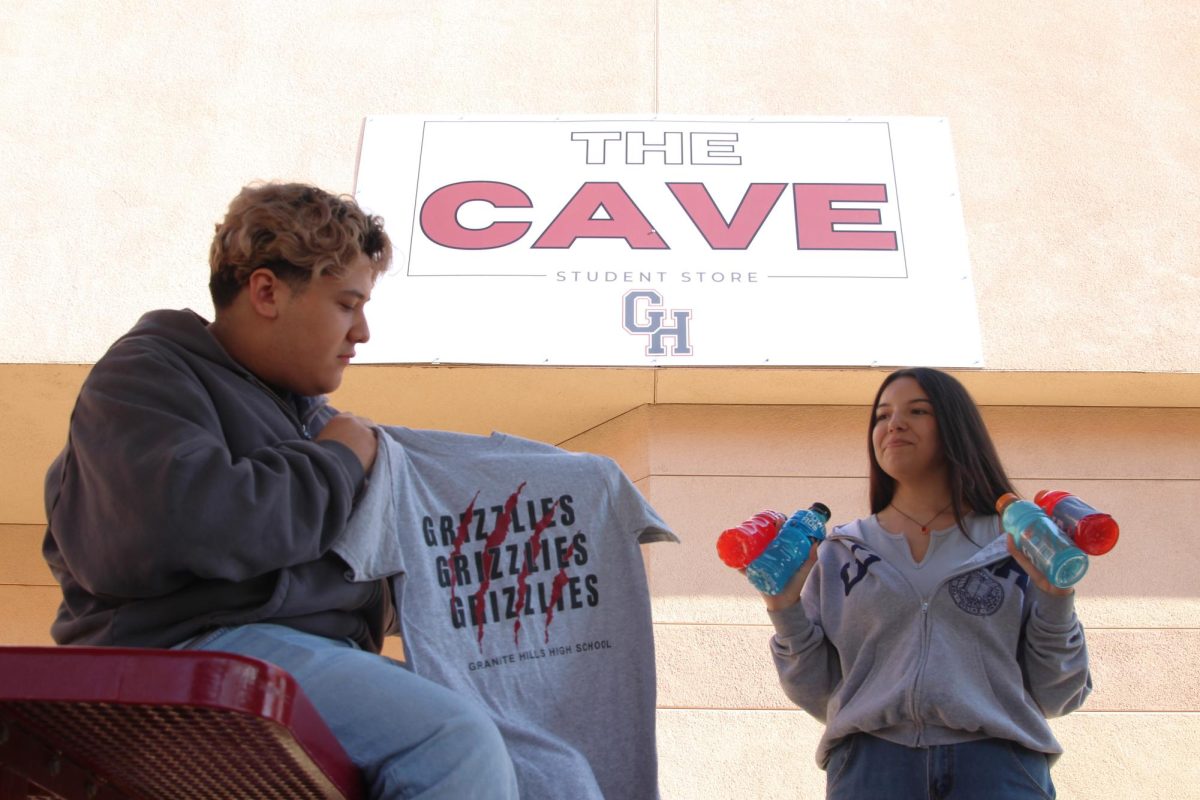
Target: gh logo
641 314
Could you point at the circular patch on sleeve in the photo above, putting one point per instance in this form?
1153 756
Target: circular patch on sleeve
977 593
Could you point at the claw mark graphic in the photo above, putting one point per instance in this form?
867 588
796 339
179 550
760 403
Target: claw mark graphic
490 547
560 580
460 539
535 549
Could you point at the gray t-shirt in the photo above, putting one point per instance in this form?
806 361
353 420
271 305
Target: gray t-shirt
519 580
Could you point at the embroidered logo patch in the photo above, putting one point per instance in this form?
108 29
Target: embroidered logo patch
977 593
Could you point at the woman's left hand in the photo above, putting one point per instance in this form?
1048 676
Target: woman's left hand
1039 578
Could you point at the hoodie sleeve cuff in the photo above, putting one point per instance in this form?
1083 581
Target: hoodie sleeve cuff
790 621
350 463
1055 609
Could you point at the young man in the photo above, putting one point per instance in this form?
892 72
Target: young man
205 478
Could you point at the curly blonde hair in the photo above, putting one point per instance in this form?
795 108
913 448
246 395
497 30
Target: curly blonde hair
296 231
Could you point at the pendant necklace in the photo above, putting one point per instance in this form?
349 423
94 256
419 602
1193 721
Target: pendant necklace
923 525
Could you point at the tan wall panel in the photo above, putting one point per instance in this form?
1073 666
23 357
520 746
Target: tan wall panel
856 387
730 667
587 410
1074 443
393 647
768 755
625 439
758 440
1097 442
21 559
27 614
1146 581
35 402
547 404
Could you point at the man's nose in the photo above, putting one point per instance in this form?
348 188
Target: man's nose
361 332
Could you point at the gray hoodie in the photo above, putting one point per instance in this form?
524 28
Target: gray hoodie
191 496
989 655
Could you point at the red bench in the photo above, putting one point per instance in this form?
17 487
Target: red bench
99 723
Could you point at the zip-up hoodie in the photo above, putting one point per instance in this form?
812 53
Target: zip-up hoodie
989 655
191 496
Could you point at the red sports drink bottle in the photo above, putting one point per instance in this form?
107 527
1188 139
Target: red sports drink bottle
1092 531
738 546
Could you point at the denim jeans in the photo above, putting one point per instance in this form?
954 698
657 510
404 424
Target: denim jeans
864 767
411 738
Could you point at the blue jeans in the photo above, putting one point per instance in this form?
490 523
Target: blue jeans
411 738
864 767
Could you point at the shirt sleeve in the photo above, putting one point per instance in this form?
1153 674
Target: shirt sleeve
148 495
807 662
636 515
1054 655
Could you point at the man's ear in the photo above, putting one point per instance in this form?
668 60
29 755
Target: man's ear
266 292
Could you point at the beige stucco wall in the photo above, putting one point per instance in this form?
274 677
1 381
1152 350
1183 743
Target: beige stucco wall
127 126
726 728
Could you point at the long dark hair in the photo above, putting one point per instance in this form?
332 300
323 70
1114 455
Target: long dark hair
974 470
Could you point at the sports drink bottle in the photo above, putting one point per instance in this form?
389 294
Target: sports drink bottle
1039 538
740 545
1092 531
788 551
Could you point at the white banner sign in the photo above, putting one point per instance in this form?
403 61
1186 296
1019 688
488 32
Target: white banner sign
669 241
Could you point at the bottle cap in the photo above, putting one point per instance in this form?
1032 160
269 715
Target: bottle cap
821 509
1004 500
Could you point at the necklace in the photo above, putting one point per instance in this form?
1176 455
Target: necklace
923 525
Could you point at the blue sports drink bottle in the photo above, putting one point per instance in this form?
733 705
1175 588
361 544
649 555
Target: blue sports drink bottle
1040 539
788 551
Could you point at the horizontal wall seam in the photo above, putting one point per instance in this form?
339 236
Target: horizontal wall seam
768 626
798 710
757 476
866 404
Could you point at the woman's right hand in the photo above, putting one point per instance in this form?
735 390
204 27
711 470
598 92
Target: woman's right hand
791 591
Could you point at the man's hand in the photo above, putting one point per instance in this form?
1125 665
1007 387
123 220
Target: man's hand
355 432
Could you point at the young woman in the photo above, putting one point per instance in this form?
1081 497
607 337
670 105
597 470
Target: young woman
930 647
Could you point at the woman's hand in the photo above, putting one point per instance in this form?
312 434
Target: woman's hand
791 591
1039 579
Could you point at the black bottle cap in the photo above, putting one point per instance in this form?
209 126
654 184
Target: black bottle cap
821 509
